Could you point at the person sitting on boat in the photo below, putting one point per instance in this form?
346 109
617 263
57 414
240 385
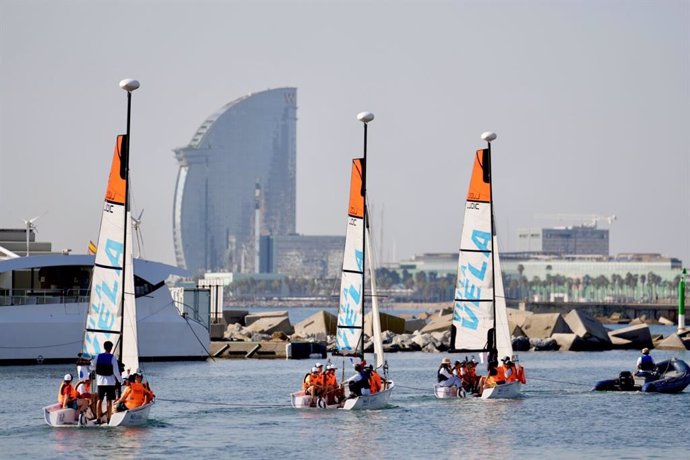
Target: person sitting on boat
489 381
445 376
107 375
83 389
375 380
334 392
68 396
471 380
645 362
501 369
134 395
359 383
313 384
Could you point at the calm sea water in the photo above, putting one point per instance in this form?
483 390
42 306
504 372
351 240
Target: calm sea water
240 409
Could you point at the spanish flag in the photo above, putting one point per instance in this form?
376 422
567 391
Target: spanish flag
92 248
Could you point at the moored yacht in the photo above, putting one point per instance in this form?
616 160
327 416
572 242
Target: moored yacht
43 306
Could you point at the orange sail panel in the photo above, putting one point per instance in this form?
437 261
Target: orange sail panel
356 207
479 189
115 192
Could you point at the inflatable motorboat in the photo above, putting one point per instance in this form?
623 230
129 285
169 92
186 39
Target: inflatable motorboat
670 376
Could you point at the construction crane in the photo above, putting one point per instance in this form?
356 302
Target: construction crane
586 220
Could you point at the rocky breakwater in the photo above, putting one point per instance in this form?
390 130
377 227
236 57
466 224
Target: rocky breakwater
575 331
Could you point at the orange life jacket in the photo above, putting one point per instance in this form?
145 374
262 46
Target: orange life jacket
500 374
85 387
375 382
313 380
490 381
513 377
136 395
331 380
66 391
521 374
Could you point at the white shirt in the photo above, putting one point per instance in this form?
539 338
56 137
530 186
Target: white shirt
105 380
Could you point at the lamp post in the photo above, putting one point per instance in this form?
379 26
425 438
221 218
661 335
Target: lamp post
681 301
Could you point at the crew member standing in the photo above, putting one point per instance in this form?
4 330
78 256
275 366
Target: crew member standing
107 376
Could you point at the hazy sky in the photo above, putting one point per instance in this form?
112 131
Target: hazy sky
590 101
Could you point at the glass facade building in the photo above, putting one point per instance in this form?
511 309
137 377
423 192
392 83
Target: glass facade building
248 145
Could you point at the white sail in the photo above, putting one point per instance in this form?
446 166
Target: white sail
473 313
104 321
130 343
375 317
350 312
503 339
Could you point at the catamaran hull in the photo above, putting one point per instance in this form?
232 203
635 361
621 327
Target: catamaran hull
452 392
504 391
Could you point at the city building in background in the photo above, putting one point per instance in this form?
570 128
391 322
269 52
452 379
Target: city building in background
581 239
306 256
237 182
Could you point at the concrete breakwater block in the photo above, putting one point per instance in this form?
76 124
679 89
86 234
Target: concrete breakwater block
665 321
388 323
573 342
414 324
518 317
588 328
235 316
672 342
321 322
438 324
249 319
269 325
542 325
521 343
638 334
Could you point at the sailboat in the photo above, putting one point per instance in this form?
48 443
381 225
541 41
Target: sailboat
480 316
112 310
350 328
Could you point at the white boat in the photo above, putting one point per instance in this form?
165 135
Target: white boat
350 333
480 318
45 323
112 314
451 392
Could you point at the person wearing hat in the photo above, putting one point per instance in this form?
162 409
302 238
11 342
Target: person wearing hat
134 395
445 376
334 392
68 397
358 384
645 362
313 384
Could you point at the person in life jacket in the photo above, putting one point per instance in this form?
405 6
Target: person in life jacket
358 384
501 369
645 362
84 391
68 396
472 378
107 375
313 384
134 395
489 381
334 392
375 380
445 377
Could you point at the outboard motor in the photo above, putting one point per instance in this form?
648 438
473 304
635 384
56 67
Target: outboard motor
626 380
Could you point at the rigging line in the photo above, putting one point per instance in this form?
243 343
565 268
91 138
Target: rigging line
43 346
198 340
213 403
560 381
411 388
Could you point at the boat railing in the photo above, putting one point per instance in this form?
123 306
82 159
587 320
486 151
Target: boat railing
42 296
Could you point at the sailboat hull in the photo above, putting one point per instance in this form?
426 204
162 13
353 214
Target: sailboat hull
504 391
370 402
379 400
134 417
452 392
55 415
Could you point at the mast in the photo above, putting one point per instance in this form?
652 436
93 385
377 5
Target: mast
493 346
128 85
365 118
